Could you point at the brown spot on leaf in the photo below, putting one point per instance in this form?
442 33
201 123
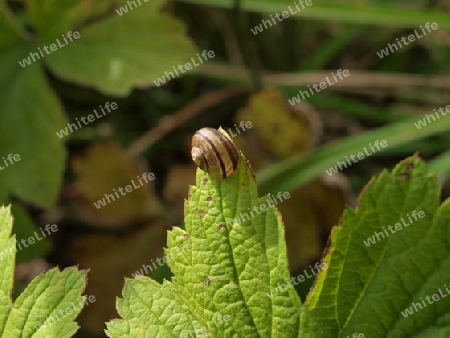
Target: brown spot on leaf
208 281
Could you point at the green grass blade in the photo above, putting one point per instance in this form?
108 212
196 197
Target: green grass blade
294 172
346 12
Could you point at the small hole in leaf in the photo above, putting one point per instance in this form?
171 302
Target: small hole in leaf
205 181
202 213
403 177
410 167
185 237
208 281
209 198
221 226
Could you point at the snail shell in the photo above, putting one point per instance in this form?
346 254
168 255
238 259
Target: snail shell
214 153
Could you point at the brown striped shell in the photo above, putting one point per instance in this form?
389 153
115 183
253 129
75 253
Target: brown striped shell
214 153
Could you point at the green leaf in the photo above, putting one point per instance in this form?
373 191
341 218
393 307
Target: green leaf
52 18
24 228
12 32
371 280
30 114
151 309
361 12
121 52
7 249
48 306
225 270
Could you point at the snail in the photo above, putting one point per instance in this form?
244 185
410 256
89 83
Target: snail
214 153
